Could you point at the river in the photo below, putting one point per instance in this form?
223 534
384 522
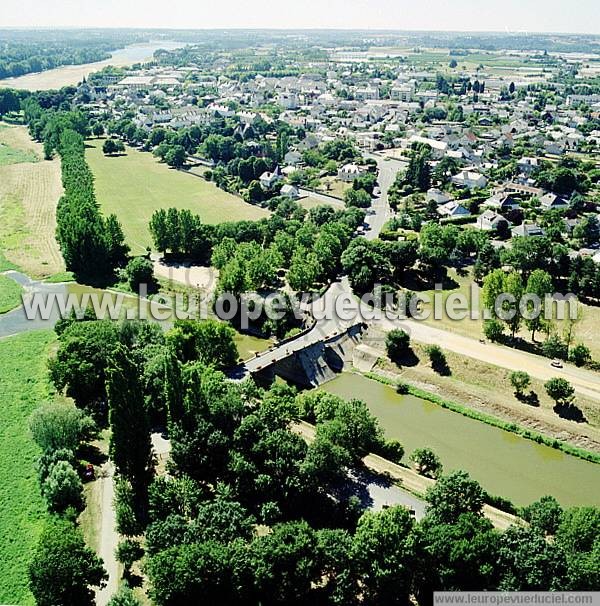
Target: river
73 74
505 464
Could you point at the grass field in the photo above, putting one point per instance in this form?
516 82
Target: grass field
29 192
23 386
586 331
135 185
10 294
10 155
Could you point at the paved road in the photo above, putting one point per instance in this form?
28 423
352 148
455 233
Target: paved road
381 207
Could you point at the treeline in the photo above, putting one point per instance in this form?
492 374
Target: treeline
92 246
19 58
308 246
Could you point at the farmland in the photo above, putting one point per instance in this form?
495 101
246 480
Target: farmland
23 386
29 192
134 185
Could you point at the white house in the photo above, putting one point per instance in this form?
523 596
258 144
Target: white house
290 191
437 195
489 220
269 179
551 201
349 172
470 179
453 209
527 230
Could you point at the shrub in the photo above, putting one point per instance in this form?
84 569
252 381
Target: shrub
397 343
59 426
493 330
402 388
438 360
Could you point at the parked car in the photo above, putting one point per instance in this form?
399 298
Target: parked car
556 363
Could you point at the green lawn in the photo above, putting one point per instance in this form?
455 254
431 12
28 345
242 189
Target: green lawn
10 294
135 185
23 386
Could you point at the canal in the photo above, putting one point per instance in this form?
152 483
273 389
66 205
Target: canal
503 463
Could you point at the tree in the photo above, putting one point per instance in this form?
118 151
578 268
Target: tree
560 390
555 347
210 341
580 355
383 553
140 270
520 381
397 343
63 488
511 88
112 146
176 156
128 552
130 445
59 426
453 64
539 285
357 198
544 515
285 564
426 462
63 569
98 129
454 495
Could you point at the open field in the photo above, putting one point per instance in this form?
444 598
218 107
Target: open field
29 192
133 186
10 294
23 386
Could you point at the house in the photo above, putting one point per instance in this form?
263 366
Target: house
349 172
489 220
290 191
503 202
527 230
437 195
269 179
293 158
551 201
453 209
470 179
527 165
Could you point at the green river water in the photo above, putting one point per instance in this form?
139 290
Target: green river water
505 464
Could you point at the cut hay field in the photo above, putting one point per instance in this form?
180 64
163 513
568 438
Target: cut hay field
134 185
29 192
23 386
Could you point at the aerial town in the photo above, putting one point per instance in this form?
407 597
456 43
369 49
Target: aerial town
295 317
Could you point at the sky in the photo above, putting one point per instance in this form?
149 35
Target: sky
567 16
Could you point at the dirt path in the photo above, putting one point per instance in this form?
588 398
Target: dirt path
108 538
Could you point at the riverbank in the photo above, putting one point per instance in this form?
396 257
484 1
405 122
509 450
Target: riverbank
71 75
